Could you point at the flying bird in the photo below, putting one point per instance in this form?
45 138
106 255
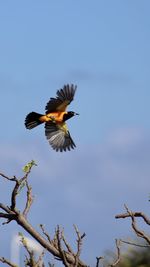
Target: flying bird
55 117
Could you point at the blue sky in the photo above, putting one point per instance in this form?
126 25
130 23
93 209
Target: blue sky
102 47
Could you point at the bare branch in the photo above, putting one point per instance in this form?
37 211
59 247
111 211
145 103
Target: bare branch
139 232
45 233
9 215
98 259
40 260
3 215
18 185
58 246
29 199
118 254
134 244
53 246
5 208
8 178
21 220
14 195
31 261
66 243
24 243
51 264
3 260
134 226
79 245
61 251
135 214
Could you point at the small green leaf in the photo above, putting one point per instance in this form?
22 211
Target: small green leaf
28 166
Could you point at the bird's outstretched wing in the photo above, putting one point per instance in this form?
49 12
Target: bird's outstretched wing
58 136
63 99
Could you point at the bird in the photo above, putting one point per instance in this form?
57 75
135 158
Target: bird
55 117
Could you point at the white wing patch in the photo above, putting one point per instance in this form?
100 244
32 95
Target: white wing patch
58 137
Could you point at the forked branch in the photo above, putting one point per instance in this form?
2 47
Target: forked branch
58 246
133 216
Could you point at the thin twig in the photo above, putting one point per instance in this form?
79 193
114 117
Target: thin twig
66 243
9 215
135 214
14 195
98 259
79 245
5 208
8 178
134 244
53 246
29 199
61 251
18 185
3 260
118 254
40 260
135 228
24 243
45 233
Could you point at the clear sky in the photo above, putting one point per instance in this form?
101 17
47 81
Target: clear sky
102 47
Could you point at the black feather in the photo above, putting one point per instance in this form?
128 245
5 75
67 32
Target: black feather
32 120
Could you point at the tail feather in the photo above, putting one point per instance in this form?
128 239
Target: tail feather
32 120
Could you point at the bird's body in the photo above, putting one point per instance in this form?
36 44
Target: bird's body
57 116
56 130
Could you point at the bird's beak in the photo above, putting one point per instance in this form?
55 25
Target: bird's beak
76 113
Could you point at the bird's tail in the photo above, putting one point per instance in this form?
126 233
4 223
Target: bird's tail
32 120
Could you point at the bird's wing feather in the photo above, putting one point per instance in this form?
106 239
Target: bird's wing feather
62 100
58 136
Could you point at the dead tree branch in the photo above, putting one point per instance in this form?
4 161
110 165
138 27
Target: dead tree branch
3 260
57 245
31 259
98 259
133 215
54 246
134 244
29 199
118 254
45 233
79 244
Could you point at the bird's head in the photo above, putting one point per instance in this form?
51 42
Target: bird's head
69 115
